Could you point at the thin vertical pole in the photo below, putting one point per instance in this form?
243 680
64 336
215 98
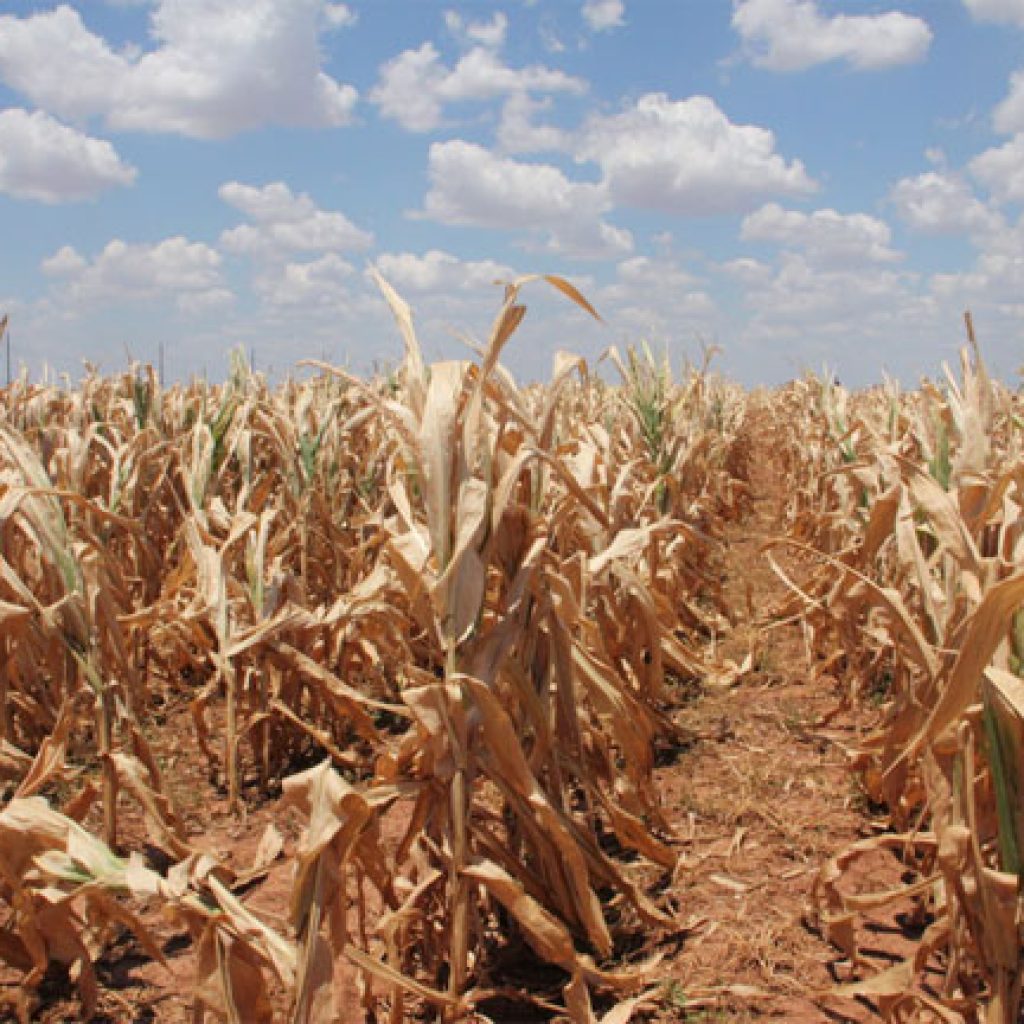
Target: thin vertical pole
6 335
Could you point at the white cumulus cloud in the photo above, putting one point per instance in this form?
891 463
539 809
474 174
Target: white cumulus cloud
1002 11
439 271
828 237
484 33
602 15
42 159
687 157
471 185
791 35
1008 115
747 270
54 60
657 299
939 202
845 317
339 15
214 69
283 223
1001 170
65 261
997 278
189 273
414 87
519 132
323 282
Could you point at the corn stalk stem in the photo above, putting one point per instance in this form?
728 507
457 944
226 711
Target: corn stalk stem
6 656
458 889
231 738
105 716
264 728
459 955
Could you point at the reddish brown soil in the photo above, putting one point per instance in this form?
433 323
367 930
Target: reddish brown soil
762 800
759 799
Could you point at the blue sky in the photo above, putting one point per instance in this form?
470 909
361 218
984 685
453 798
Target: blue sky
802 182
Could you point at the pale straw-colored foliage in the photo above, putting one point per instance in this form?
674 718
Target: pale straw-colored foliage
913 513
467 599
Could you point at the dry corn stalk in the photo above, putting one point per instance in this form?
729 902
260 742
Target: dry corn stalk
918 532
466 594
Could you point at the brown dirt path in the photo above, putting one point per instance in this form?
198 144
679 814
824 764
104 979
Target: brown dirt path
762 799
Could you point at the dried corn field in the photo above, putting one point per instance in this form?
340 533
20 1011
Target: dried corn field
634 696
